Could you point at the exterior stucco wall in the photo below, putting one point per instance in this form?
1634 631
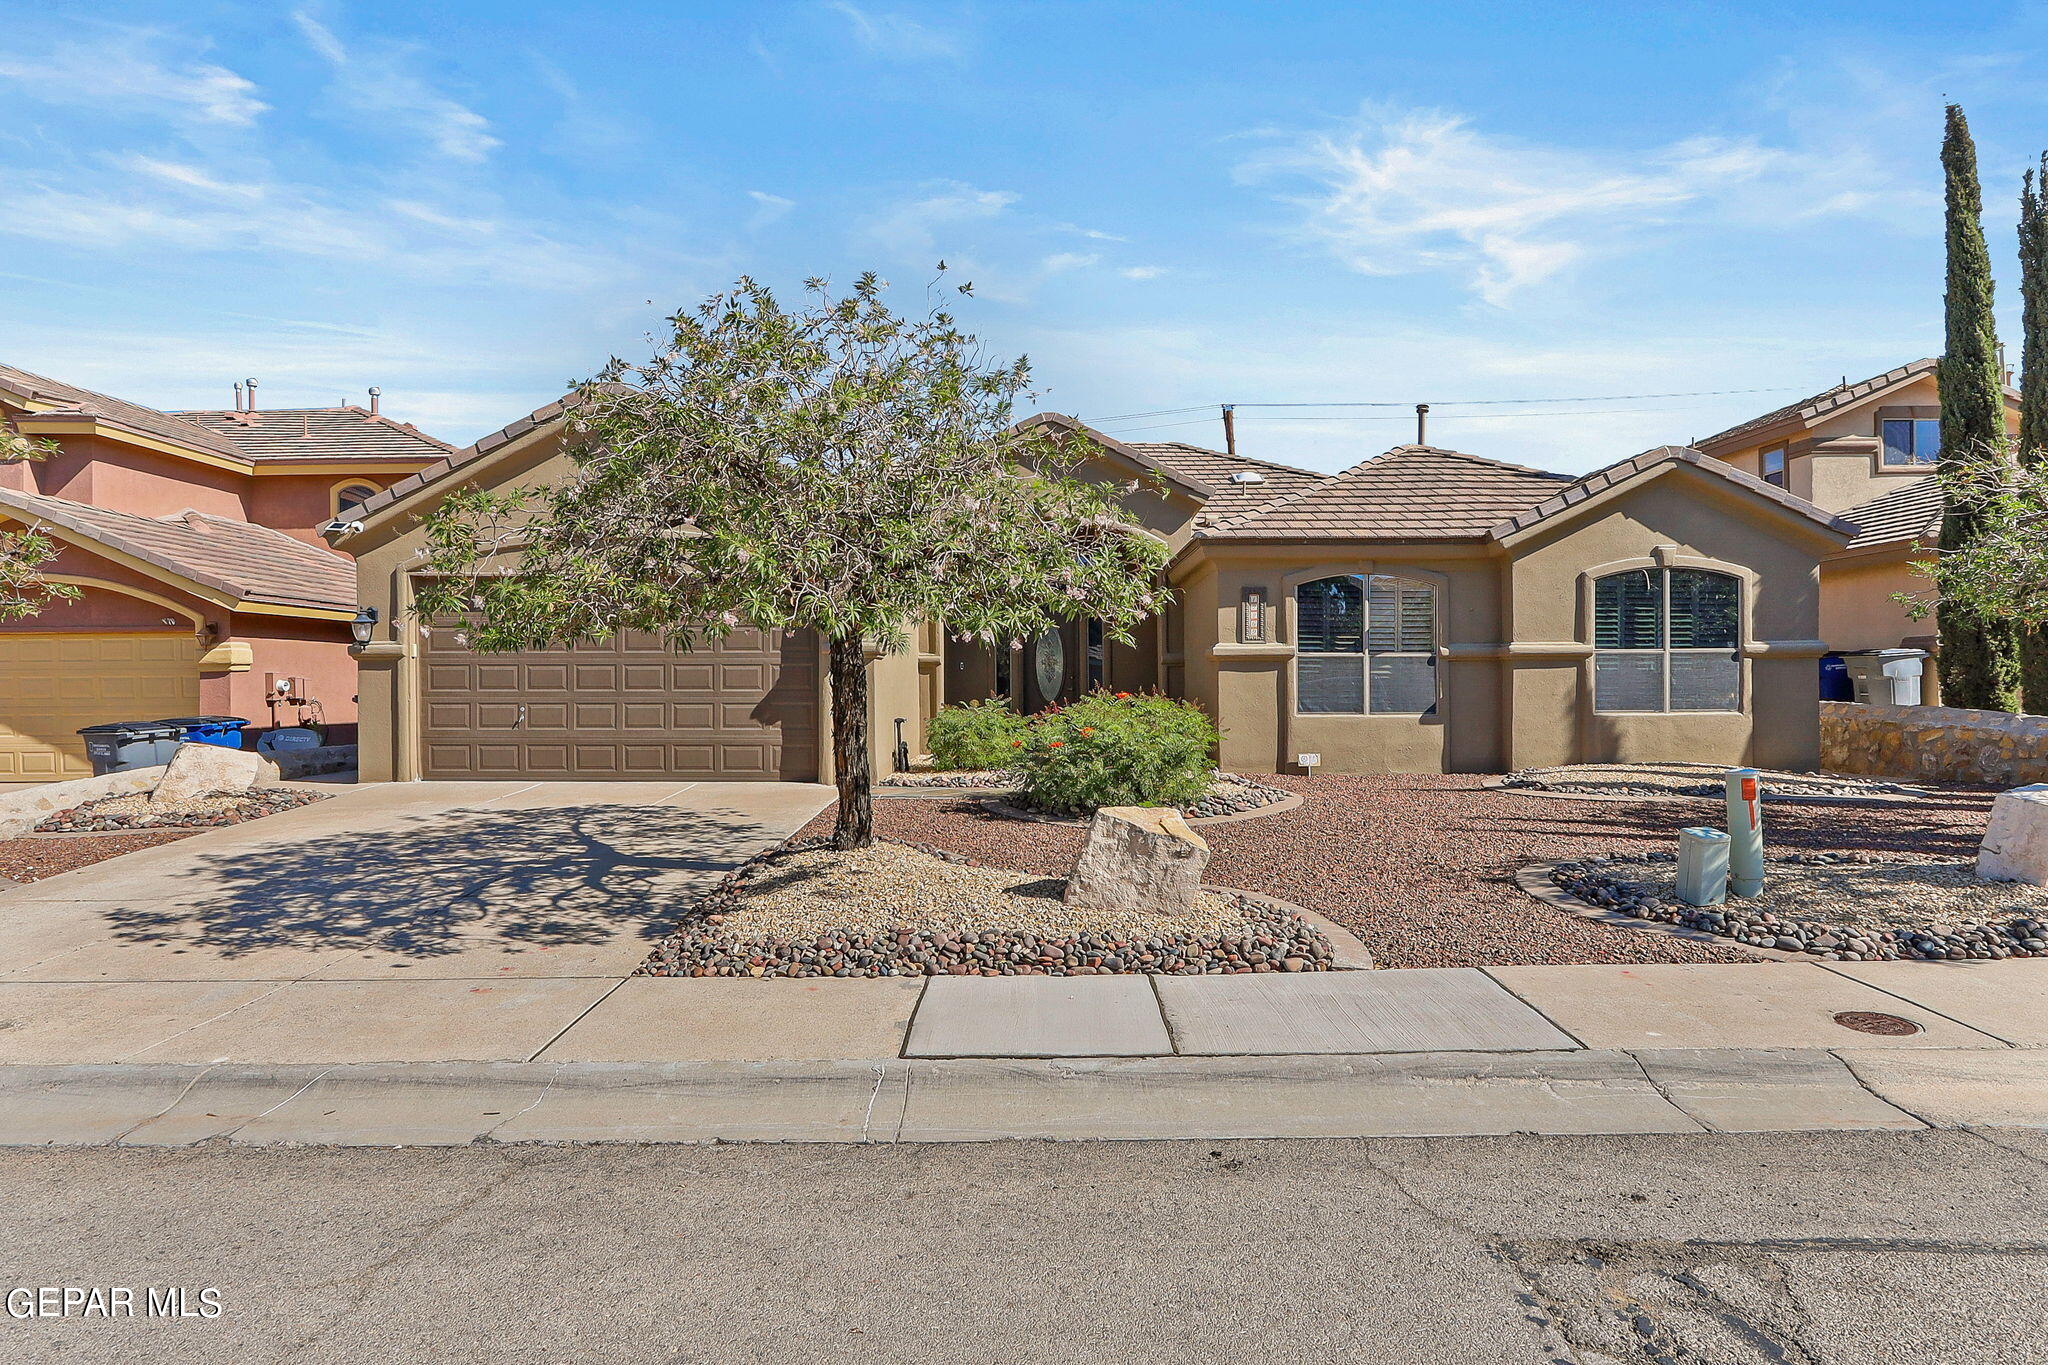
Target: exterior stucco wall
1856 606
104 473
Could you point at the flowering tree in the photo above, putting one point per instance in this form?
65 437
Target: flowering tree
836 468
24 590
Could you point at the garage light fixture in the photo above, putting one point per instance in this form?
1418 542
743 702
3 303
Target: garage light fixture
365 622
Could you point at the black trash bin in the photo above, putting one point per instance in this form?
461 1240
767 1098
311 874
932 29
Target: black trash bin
121 745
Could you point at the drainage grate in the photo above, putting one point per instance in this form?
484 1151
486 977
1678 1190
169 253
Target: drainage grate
1870 1021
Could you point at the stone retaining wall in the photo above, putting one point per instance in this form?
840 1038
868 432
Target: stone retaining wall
1935 743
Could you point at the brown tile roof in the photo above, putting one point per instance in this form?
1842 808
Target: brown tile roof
243 561
319 433
1409 493
1911 512
1234 494
1808 410
1623 470
119 412
456 459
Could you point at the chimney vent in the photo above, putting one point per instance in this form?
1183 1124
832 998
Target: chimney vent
238 395
375 394
252 394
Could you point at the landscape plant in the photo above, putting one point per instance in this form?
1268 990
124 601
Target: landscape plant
975 735
25 587
1116 749
834 467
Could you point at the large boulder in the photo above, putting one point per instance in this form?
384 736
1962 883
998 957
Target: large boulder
1139 858
210 770
2015 847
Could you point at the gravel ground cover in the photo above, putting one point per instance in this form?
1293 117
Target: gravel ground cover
137 811
1232 793
898 910
959 777
1692 779
32 859
1852 907
1422 867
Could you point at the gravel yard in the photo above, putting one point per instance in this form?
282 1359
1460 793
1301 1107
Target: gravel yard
1694 779
139 811
1852 907
32 859
1421 867
894 910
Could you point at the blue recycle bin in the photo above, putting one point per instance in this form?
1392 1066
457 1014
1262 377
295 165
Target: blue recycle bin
222 731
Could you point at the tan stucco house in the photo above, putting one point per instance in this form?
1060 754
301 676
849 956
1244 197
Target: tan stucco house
1424 611
1866 451
204 586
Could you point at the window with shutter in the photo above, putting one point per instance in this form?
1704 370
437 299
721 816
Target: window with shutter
1365 645
1667 640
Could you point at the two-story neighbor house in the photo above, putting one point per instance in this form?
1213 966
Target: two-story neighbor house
193 538
1423 611
1866 451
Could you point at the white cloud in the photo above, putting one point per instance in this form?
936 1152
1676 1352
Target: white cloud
123 69
1062 261
1399 192
896 36
768 207
1142 272
928 227
379 85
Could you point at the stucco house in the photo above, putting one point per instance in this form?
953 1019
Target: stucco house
1867 451
1423 611
194 541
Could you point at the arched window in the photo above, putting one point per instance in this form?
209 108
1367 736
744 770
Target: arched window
1365 644
1667 640
350 496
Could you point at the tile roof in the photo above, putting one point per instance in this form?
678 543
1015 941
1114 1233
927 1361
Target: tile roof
1409 493
456 459
284 433
1826 401
133 416
318 433
1623 470
1215 468
1910 512
243 561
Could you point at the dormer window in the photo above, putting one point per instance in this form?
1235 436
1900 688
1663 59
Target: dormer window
1773 466
1908 443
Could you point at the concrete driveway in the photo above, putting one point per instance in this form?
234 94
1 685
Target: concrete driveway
459 919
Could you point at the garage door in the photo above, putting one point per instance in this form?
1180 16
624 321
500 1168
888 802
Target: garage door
53 685
744 710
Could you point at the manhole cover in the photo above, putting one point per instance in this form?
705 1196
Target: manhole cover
1870 1021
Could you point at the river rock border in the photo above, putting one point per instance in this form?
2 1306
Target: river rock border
1290 938
1276 800
1502 783
1578 887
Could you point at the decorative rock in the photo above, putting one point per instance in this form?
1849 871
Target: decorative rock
2015 847
209 770
1139 858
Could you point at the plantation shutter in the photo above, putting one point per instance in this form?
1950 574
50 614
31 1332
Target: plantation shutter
1329 665
1401 637
1626 611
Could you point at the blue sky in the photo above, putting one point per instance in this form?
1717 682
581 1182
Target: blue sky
1166 206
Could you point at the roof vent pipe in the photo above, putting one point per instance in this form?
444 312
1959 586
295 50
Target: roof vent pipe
238 395
375 394
1422 424
252 394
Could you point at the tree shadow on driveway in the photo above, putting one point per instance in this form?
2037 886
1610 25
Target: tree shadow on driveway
451 881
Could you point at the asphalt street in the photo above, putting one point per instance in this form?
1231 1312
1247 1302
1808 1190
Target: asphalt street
1722 1249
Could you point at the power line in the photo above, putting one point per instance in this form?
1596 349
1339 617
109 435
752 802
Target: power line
1494 402
1404 417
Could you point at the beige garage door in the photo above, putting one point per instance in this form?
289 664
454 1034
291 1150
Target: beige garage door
53 685
633 708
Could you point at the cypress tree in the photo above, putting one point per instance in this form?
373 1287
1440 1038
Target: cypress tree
2034 393
1979 661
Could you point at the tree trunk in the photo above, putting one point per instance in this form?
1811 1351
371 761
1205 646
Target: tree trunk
856 822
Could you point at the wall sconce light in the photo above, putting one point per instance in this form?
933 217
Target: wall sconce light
365 622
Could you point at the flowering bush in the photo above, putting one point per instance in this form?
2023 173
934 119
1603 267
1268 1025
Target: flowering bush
975 735
1115 750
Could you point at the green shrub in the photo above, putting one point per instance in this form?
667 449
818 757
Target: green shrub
975 735
1116 750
